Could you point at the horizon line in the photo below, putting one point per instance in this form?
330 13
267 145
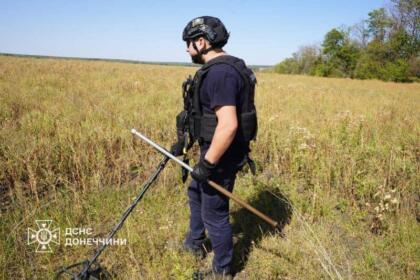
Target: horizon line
188 64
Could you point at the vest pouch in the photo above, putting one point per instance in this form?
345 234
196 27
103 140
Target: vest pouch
248 126
181 124
208 126
181 120
195 126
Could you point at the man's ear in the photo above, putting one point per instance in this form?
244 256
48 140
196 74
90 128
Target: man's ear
204 43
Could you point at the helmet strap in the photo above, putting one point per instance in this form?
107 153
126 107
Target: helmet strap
206 50
202 51
195 47
198 58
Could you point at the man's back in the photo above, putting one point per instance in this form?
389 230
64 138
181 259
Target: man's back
223 85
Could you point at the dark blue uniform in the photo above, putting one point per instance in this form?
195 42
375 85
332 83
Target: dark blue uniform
222 86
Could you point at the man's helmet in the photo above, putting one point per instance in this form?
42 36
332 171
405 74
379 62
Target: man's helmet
210 28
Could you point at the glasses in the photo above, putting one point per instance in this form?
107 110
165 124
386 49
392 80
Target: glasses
191 40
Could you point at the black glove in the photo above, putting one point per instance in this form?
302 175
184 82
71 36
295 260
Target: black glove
202 170
177 148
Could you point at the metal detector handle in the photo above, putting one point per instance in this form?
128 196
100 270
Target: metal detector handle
211 183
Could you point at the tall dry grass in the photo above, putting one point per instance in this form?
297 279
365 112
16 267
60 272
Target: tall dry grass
340 156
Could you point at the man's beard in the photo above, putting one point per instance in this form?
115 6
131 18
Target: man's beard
198 59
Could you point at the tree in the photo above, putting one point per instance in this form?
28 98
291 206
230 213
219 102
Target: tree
400 45
303 61
307 58
333 43
360 34
406 15
378 24
340 54
385 46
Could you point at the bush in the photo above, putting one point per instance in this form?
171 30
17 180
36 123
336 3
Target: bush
414 67
367 68
397 71
288 66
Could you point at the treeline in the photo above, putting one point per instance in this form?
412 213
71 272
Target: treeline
384 46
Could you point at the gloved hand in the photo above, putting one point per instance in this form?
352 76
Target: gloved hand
202 170
177 148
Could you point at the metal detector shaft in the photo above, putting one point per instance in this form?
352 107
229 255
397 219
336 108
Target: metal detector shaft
127 212
211 183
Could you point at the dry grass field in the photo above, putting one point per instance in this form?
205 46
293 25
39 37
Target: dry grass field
338 164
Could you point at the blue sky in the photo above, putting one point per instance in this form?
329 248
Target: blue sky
262 32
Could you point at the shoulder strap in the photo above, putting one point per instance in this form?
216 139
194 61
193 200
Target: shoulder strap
247 75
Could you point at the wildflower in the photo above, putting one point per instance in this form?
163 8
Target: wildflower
394 201
381 205
303 146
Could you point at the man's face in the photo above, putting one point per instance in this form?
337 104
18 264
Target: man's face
196 57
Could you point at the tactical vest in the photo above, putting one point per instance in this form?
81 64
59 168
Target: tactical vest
201 126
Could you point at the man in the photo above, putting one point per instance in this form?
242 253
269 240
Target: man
220 114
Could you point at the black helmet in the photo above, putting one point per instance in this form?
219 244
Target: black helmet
210 28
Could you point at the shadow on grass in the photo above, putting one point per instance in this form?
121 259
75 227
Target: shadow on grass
249 230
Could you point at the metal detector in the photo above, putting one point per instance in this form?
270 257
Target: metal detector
89 269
